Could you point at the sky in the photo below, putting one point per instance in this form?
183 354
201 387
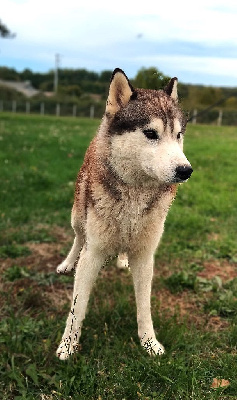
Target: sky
195 41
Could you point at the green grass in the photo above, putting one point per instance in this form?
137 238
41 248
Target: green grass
194 298
39 162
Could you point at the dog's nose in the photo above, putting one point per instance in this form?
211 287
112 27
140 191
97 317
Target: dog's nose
183 172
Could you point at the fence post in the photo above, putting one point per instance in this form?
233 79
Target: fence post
194 119
92 111
14 106
1 105
74 110
27 107
219 119
58 110
42 108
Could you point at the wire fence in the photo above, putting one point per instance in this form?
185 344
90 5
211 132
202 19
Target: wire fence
213 116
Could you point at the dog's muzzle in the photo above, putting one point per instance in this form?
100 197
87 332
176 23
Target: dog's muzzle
183 172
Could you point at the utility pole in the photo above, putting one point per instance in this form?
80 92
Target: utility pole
57 61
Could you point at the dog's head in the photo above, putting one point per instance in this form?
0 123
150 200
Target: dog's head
146 129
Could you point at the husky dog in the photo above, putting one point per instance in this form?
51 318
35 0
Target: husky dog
123 193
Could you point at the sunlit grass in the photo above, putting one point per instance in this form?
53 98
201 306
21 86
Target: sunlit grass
40 158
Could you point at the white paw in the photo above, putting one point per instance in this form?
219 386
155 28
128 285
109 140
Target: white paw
67 347
122 261
152 346
63 267
66 267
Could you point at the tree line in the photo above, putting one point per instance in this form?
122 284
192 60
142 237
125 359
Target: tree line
78 82
85 88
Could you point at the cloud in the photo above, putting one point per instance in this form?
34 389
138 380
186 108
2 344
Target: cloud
215 68
94 22
101 35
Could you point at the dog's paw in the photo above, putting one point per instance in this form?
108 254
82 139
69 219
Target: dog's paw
67 348
65 267
152 346
122 261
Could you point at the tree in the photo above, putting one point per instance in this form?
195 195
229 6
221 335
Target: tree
209 95
5 32
70 90
150 78
9 74
105 76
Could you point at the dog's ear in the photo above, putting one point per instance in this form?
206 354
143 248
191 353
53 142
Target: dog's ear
171 89
120 91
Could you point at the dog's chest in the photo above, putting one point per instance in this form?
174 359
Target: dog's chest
130 213
126 220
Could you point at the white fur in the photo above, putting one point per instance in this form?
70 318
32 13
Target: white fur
123 212
122 261
136 158
94 255
88 267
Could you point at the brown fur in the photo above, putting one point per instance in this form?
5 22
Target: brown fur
99 185
123 193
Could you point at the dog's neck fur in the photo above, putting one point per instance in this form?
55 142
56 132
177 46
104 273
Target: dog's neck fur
103 172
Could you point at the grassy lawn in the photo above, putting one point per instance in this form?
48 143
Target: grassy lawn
194 299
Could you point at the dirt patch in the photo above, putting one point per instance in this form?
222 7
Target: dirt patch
183 304
59 296
62 234
188 306
215 323
213 236
44 249
31 293
45 257
163 269
221 268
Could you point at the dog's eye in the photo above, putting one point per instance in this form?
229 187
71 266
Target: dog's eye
179 135
151 134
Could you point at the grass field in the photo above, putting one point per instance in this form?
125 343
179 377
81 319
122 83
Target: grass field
194 298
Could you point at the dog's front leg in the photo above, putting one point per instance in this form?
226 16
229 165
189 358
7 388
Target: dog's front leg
142 272
70 262
87 270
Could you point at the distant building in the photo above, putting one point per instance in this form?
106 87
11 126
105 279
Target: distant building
25 88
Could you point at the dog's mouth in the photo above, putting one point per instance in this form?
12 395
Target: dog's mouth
177 180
